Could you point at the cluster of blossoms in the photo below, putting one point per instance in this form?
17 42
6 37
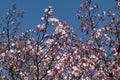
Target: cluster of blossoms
40 27
48 12
62 55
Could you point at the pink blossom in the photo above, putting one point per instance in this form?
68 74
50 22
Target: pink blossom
91 8
96 6
34 67
49 42
2 54
42 18
12 51
75 68
104 13
40 27
50 73
46 10
22 74
53 20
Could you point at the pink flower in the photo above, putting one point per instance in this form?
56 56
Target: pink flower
98 34
46 10
96 6
2 54
113 49
49 42
33 67
42 18
40 27
75 71
50 73
91 8
104 13
53 20
21 74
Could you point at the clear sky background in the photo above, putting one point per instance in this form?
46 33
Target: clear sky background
63 9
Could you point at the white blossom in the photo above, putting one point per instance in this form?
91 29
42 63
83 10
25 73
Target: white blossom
91 8
50 73
12 51
46 10
2 54
53 20
104 13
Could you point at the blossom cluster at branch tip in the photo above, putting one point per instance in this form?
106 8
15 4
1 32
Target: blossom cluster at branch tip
40 27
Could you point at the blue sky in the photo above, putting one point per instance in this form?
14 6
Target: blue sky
63 9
